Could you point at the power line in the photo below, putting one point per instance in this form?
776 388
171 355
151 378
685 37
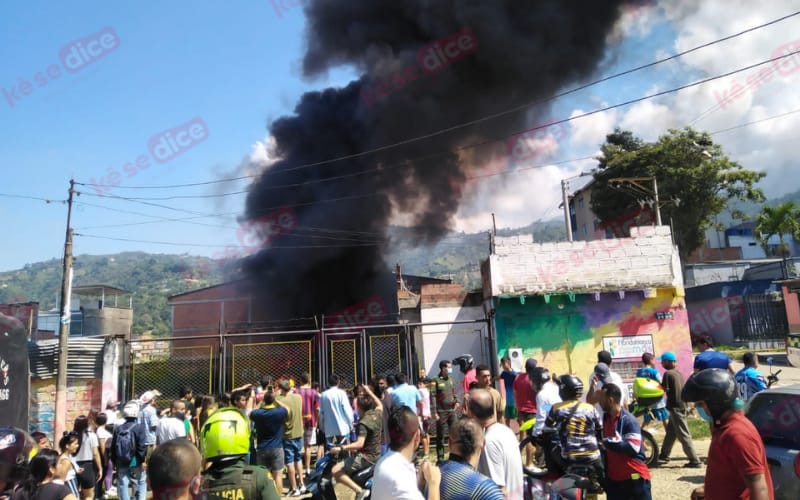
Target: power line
217 246
334 230
513 110
26 197
755 122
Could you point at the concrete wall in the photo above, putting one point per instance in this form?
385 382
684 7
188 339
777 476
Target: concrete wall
565 336
646 260
83 395
108 321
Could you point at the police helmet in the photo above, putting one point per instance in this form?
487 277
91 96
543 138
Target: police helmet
226 433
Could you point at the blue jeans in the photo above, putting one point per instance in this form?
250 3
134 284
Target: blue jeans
128 476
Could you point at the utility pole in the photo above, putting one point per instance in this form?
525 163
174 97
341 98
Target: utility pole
64 324
655 197
565 200
637 181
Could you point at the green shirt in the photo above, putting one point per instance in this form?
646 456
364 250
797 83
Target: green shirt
239 481
443 395
370 426
294 421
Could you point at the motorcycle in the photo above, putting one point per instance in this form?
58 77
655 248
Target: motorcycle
320 482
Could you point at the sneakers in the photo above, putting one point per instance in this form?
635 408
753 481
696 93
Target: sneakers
364 494
693 465
663 460
303 489
295 493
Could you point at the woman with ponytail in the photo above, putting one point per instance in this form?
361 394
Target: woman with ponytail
41 484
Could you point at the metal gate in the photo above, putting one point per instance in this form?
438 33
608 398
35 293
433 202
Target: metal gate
270 354
759 318
344 360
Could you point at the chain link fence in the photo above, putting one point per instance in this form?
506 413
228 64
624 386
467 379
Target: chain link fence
384 354
344 361
170 365
278 358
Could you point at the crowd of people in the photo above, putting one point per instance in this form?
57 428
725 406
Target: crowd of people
242 445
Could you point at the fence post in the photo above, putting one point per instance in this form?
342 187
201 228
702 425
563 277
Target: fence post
221 355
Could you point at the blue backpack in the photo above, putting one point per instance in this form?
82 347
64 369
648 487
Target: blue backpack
125 443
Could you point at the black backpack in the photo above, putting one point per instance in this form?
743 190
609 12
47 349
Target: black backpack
124 443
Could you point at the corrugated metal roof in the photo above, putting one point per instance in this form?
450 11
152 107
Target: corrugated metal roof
85 358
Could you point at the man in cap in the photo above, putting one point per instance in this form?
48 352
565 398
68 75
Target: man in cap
737 461
672 382
603 375
128 452
444 404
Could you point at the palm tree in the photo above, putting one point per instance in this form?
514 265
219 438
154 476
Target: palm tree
779 220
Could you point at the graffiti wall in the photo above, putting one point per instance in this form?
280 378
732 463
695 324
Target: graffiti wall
83 396
565 335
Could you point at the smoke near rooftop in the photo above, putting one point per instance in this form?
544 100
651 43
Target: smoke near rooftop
425 66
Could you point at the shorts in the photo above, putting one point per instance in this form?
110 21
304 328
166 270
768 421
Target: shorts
661 414
307 434
356 464
292 450
271 458
511 411
524 416
425 426
88 477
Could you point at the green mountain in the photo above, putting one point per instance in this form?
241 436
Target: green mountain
154 277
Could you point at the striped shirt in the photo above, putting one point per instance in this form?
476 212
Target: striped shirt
310 406
578 426
462 482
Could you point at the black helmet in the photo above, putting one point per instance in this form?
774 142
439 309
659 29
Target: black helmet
714 386
539 376
17 447
465 362
569 387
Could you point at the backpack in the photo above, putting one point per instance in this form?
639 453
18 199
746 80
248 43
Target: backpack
124 443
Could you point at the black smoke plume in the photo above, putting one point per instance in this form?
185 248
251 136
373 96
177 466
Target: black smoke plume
526 50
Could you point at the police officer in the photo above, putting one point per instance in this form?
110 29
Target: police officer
225 439
443 405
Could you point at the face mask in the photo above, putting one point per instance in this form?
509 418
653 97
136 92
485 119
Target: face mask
180 415
449 369
702 412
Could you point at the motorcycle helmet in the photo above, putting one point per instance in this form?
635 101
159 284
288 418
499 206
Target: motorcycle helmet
647 391
539 376
570 387
226 433
17 447
714 386
465 362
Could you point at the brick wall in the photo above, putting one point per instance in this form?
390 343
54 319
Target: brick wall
83 395
647 259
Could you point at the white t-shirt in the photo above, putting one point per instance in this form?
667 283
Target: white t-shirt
545 399
501 460
426 401
611 378
170 428
102 433
396 478
89 443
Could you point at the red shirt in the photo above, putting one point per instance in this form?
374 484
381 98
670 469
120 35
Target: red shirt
621 467
736 451
469 378
524 395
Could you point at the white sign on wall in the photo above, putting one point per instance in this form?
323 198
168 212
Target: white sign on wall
515 354
628 346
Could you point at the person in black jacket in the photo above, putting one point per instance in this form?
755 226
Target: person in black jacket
128 451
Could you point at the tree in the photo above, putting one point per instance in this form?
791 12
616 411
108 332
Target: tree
779 220
696 180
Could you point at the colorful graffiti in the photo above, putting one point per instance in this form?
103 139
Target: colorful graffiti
565 335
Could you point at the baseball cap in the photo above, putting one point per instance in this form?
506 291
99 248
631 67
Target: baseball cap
131 410
668 356
530 364
149 396
601 370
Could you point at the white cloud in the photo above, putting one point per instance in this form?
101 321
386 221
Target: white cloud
591 130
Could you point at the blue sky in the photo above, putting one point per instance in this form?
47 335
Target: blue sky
235 65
